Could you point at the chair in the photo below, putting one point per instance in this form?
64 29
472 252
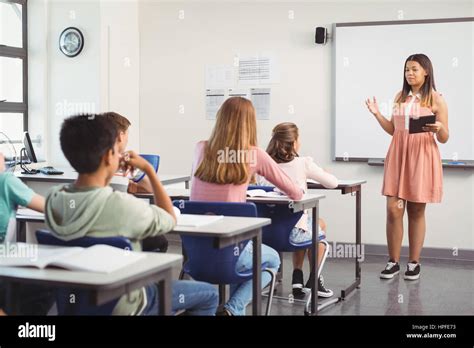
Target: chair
206 263
154 161
277 235
81 304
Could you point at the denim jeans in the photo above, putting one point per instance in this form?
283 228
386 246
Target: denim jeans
241 294
197 298
299 235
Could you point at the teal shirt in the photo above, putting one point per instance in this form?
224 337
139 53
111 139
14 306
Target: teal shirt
12 194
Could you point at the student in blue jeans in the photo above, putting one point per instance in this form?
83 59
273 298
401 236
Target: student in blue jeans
241 294
197 298
89 143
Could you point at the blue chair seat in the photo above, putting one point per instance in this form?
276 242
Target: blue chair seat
206 263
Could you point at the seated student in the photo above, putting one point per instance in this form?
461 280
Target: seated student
283 148
89 143
34 300
156 243
220 178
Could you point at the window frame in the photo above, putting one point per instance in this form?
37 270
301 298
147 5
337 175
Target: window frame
20 53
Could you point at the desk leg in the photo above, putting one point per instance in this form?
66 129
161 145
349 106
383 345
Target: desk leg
314 260
12 305
186 184
257 273
165 294
358 231
356 283
21 231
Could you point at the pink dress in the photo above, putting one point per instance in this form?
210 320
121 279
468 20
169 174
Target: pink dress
413 170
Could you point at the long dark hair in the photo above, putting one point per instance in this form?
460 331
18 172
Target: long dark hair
282 145
426 90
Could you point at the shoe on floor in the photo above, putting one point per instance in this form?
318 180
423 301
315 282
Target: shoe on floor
322 291
223 312
391 269
297 284
413 271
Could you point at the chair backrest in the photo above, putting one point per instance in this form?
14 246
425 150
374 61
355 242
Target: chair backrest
72 301
277 235
204 262
154 160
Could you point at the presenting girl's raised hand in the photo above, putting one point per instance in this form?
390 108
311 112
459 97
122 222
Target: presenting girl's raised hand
372 106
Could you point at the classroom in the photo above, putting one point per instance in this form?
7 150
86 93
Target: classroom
174 158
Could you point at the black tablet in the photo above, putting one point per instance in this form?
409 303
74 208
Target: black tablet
417 124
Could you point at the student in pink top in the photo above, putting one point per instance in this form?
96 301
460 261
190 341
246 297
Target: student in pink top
223 167
413 174
283 148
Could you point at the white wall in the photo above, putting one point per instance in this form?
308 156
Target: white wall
103 77
60 86
173 55
120 63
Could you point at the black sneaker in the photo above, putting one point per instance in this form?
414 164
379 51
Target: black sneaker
297 284
391 269
413 271
322 291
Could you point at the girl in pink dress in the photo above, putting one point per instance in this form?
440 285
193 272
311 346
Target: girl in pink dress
413 174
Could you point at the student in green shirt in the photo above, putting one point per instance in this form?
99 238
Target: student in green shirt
90 207
13 193
34 300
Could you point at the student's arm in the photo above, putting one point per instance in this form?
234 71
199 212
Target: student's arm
268 168
313 171
162 200
22 195
143 186
373 107
37 203
440 127
2 163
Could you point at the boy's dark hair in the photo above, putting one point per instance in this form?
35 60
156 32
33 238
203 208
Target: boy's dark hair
121 122
85 139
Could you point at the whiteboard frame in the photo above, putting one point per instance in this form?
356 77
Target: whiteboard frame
333 72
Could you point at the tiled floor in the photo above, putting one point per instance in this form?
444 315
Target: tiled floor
446 287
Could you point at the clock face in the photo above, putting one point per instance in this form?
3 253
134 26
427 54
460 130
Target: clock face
71 42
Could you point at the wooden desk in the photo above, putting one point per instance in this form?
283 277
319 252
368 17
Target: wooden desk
309 201
229 231
102 287
349 186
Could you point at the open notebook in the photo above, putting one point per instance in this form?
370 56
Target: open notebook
97 258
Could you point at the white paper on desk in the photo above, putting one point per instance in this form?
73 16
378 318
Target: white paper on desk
313 181
214 99
260 98
97 258
263 193
195 220
28 212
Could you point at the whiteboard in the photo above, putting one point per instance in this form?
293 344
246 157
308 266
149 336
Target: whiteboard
368 60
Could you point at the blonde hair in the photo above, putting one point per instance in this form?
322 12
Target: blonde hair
235 130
